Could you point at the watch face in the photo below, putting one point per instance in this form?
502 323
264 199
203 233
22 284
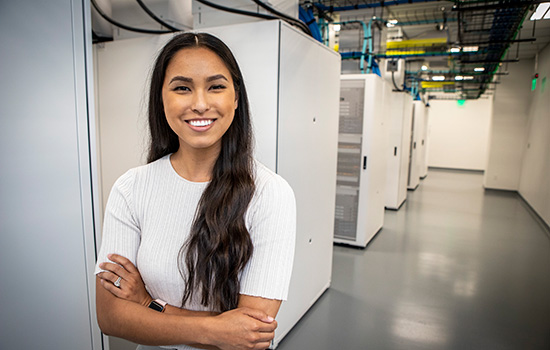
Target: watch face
156 306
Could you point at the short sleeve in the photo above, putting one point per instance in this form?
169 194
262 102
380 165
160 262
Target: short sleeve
121 231
271 221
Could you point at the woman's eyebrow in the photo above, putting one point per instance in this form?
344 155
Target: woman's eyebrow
181 78
216 77
190 80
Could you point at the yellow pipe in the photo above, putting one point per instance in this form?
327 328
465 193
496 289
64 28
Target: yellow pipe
416 43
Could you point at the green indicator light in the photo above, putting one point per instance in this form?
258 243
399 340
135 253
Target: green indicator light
460 102
533 84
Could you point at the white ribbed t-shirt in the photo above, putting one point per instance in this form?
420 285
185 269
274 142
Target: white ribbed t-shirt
148 218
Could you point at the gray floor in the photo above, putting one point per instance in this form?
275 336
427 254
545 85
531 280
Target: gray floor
456 267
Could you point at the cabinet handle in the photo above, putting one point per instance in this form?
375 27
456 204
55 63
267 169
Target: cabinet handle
395 151
365 163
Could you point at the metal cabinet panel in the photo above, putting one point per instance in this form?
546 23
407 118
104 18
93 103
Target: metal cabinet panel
307 149
417 127
46 241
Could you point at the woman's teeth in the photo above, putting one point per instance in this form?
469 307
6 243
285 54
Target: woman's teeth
202 122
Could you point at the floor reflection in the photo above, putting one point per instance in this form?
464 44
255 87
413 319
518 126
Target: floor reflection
457 267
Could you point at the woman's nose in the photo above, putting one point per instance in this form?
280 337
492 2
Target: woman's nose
200 102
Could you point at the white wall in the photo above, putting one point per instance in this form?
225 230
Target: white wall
511 106
459 136
519 157
534 183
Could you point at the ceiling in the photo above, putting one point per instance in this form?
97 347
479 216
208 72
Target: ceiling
465 44
500 32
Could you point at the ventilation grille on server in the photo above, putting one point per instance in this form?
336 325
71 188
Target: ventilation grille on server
349 159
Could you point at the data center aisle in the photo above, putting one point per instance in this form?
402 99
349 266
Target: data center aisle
457 267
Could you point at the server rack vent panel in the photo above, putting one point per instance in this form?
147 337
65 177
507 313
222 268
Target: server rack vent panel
349 158
347 203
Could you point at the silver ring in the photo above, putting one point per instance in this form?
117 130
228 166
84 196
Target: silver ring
117 282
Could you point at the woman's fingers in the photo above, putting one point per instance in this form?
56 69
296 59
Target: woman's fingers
108 276
242 328
264 337
110 287
120 266
259 315
263 346
127 264
267 327
115 269
131 286
127 289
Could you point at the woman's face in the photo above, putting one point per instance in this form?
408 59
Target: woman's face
199 98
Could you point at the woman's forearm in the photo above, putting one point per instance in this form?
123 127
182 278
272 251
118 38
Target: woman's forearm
173 310
242 328
132 321
177 311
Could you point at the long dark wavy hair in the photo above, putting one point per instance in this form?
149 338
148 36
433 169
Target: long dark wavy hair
219 245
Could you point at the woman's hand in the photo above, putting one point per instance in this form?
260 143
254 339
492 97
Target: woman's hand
242 328
131 286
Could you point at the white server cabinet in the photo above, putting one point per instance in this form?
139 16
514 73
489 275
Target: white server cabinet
420 114
361 162
414 152
295 123
398 147
424 143
47 186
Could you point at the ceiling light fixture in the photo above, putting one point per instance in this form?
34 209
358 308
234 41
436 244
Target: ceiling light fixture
459 77
479 69
337 27
470 48
424 67
540 11
438 78
468 77
455 49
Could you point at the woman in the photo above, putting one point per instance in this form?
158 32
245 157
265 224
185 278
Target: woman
208 230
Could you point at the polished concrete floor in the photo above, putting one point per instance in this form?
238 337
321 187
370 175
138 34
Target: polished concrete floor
457 267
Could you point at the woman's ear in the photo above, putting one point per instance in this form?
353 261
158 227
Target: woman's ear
236 101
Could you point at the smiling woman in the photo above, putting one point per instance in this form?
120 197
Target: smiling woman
203 233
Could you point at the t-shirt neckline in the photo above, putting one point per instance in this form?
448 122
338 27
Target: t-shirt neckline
173 171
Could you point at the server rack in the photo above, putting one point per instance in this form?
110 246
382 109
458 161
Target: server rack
398 148
414 152
361 170
424 143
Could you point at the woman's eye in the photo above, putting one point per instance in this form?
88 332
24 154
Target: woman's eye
181 88
218 87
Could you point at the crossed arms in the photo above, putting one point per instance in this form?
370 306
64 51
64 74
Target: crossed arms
123 312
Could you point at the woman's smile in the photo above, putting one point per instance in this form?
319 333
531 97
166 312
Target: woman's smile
200 124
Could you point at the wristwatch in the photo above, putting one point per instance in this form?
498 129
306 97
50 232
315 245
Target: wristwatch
157 305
